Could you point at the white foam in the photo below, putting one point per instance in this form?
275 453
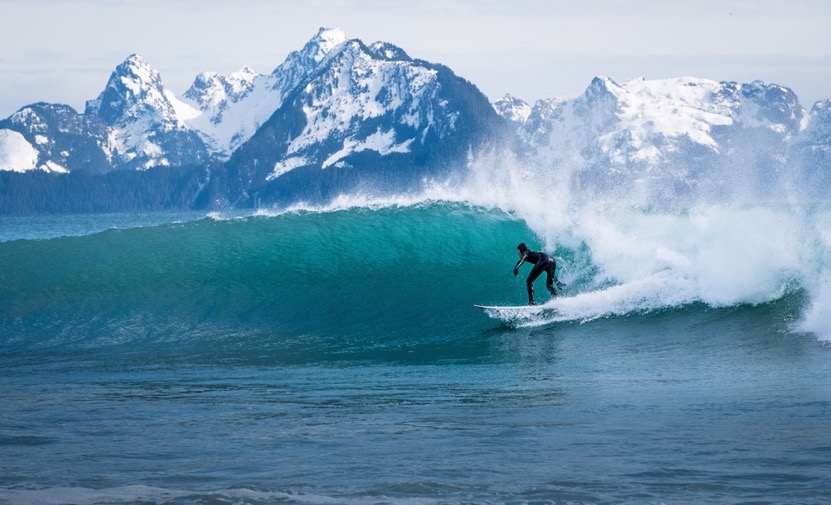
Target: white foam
817 258
712 251
355 201
817 317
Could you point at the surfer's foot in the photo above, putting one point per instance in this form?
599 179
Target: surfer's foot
560 285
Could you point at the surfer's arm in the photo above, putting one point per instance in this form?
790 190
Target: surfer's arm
519 263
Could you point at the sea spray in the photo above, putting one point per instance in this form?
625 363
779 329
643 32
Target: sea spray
817 265
700 244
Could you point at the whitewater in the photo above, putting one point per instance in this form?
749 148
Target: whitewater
332 354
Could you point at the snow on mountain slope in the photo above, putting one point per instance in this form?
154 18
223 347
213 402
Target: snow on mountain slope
146 123
184 112
62 138
136 123
810 155
339 112
133 90
357 89
364 118
667 109
234 107
16 154
513 109
668 139
644 121
210 90
818 128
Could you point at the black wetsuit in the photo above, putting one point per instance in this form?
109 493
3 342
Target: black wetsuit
542 263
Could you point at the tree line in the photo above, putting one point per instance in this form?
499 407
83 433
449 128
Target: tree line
161 188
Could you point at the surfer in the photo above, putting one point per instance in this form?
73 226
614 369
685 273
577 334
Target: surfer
542 263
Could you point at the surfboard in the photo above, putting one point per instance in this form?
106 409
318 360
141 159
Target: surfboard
511 307
520 314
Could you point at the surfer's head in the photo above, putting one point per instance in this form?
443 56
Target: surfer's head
522 247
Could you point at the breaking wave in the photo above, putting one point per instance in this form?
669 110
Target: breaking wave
396 277
638 252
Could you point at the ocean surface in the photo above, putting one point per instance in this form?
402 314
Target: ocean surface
334 356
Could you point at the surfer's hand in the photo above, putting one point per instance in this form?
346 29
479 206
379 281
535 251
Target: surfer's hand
516 272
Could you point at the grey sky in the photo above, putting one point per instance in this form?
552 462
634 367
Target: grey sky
64 50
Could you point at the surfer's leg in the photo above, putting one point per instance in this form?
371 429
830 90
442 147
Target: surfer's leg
557 282
535 272
530 291
550 277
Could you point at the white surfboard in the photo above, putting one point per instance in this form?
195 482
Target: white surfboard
521 315
505 307
517 308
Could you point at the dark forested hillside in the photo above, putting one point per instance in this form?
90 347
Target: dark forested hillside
160 188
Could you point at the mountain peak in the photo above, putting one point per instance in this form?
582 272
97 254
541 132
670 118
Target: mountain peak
145 122
512 108
246 73
328 38
131 84
134 61
315 49
137 75
210 90
601 86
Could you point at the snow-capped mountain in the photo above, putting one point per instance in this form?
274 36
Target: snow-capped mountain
135 123
233 108
817 134
363 115
363 101
811 150
146 123
52 138
646 120
676 131
340 115
212 93
335 114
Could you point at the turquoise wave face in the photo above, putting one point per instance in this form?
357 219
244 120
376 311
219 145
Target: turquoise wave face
395 283
350 284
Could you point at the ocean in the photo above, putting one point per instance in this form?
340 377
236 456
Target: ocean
333 355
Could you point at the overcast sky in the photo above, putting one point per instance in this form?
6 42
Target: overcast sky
64 50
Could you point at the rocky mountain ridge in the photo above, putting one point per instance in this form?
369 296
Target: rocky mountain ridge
339 115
